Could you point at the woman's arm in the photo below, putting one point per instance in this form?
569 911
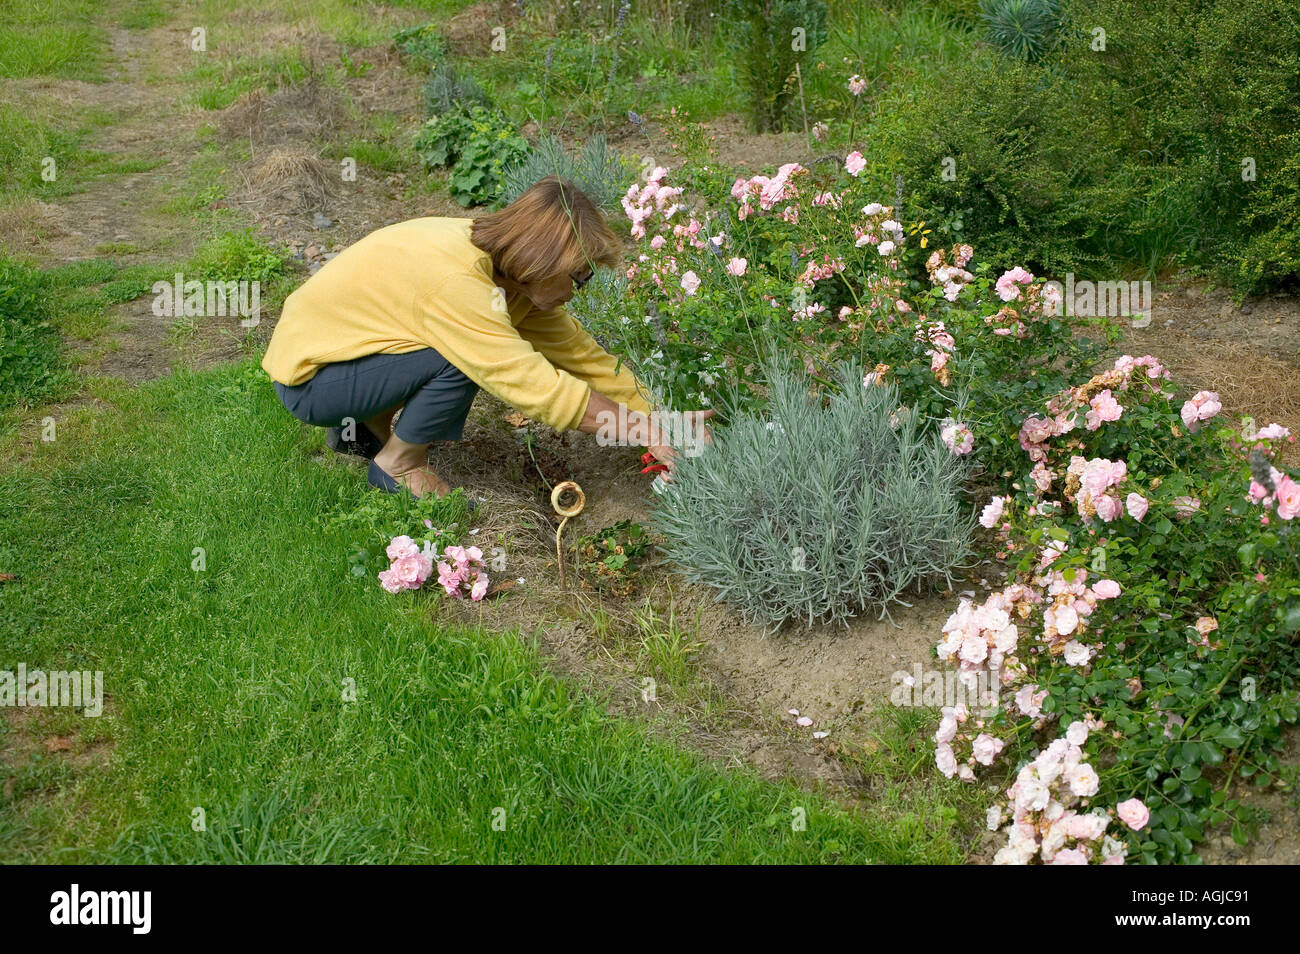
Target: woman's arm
566 344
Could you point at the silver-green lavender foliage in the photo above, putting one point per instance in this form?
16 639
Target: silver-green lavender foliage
819 508
596 169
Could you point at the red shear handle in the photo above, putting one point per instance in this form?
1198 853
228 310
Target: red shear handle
652 464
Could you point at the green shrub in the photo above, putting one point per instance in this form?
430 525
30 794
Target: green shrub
764 39
1137 153
597 170
30 348
820 507
421 43
479 144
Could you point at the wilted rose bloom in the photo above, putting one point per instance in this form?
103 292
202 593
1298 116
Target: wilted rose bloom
857 85
820 131
1051 297
690 283
1206 625
737 266
1133 813
854 163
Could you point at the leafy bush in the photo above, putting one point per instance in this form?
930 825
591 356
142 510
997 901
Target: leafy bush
763 38
597 170
819 507
30 348
421 43
478 144
1024 29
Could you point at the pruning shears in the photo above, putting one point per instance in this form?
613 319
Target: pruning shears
652 464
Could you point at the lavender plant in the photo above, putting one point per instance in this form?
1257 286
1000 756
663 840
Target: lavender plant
825 504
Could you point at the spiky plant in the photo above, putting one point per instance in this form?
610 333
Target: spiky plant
1024 29
823 506
596 169
447 89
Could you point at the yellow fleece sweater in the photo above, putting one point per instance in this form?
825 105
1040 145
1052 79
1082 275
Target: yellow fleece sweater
424 284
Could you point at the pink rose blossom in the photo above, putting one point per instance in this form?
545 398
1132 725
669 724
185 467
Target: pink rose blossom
854 163
1133 813
1006 285
992 512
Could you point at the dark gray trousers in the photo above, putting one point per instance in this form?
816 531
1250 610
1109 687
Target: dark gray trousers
435 393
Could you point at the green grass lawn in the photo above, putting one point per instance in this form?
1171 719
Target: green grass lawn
224 687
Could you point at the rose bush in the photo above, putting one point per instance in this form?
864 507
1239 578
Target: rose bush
1146 640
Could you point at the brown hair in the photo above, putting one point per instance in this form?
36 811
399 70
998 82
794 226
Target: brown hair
552 229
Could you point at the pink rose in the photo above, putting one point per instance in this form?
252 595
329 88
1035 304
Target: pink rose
1136 505
1288 498
985 748
1106 589
992 513
402 546
854 163
1006 285
737 266
1133 813
690 283
1104 408
1083 780
1107 506
1069 856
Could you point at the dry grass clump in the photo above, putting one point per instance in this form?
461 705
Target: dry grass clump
291 179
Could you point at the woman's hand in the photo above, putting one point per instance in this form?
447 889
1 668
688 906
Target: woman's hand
695 434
